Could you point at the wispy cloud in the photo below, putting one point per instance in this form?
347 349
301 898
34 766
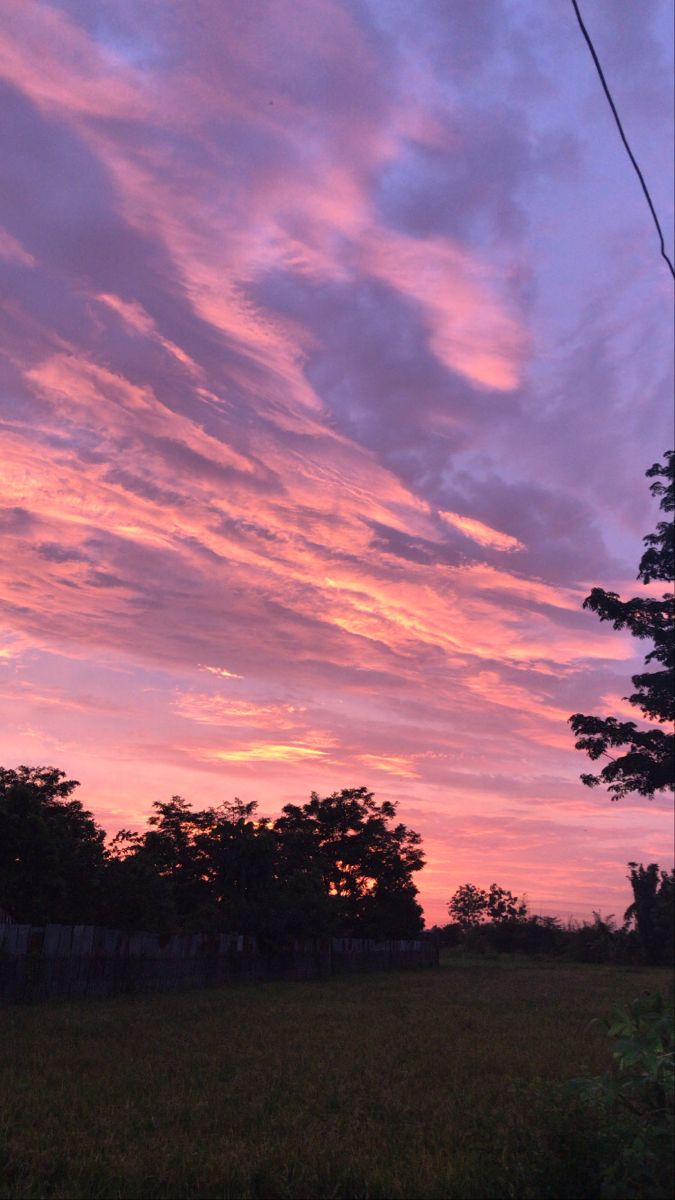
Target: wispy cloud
481 533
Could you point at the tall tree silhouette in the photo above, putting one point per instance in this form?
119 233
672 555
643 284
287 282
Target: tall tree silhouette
643 761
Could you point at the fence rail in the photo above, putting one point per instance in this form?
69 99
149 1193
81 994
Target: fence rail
82 961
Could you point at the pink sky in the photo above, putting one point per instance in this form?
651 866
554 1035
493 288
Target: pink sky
336 344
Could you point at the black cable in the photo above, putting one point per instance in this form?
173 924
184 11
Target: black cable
623 136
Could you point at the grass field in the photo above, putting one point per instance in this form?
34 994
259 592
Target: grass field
410 1084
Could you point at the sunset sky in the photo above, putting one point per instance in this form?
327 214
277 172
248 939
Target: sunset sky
336 344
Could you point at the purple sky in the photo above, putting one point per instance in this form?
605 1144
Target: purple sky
336 343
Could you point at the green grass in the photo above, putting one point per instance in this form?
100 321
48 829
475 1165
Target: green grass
410 1084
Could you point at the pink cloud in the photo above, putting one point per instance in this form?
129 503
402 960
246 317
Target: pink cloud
481 533
469 331
12 250
45 54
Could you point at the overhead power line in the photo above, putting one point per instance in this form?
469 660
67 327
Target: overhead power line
623 136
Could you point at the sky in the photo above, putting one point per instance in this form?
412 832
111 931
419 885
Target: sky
336 344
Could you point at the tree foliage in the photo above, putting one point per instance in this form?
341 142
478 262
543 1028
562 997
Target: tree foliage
640 760
346 842
52 853
471 906
335 865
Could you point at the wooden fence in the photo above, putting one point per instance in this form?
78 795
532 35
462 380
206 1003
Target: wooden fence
83 961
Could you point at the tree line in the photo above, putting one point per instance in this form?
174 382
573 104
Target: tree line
495 921
339 865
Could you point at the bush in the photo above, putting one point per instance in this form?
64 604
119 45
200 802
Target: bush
633 1102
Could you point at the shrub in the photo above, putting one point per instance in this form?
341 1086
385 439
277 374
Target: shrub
633 1102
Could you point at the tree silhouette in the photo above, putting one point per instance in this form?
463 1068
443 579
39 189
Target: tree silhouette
345 843
52 853
331 866
471 905
652 909
239 860
645 764
337 865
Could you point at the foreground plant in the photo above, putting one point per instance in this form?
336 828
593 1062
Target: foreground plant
634 1101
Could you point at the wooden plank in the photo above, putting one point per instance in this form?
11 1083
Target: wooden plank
83 939
16 940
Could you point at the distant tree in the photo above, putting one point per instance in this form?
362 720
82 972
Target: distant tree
652 910
470 906
347 849
52 853
504 906
645 762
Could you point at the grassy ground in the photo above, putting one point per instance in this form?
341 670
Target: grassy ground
413 1084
